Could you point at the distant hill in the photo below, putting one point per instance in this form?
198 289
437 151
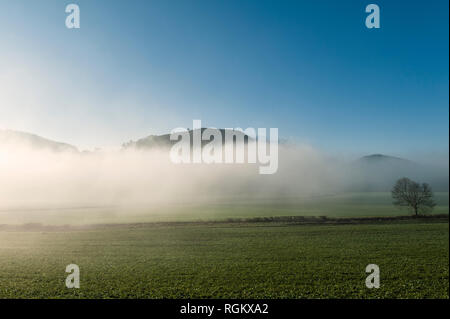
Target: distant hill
378 158
378 172
15 138
163 141
385 164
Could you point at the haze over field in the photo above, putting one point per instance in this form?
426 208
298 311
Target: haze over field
37 173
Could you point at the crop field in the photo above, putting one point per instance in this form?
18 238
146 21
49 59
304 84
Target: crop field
229 260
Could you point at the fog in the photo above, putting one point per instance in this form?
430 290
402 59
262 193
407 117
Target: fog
34 182
33 179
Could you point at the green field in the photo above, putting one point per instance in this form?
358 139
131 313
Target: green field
179 252
236 260
331 205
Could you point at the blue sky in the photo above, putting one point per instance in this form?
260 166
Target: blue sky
310 68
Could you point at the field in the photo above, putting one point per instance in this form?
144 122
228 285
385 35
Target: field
332 205
236 260
225 251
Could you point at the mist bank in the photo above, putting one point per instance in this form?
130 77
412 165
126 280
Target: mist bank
30 177
34 179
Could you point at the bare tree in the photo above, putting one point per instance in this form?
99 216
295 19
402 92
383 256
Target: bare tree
411 194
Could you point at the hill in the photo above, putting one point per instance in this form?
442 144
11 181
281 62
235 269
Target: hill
378 172
163 141
9 138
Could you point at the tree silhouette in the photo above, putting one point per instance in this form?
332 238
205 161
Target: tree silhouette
411 194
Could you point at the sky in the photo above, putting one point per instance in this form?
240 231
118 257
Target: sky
309 68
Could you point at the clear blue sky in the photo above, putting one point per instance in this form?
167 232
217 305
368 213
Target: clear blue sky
310 68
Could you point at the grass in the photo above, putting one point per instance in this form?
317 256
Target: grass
333 205
230 260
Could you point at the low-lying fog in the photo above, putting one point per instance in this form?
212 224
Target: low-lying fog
33 180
